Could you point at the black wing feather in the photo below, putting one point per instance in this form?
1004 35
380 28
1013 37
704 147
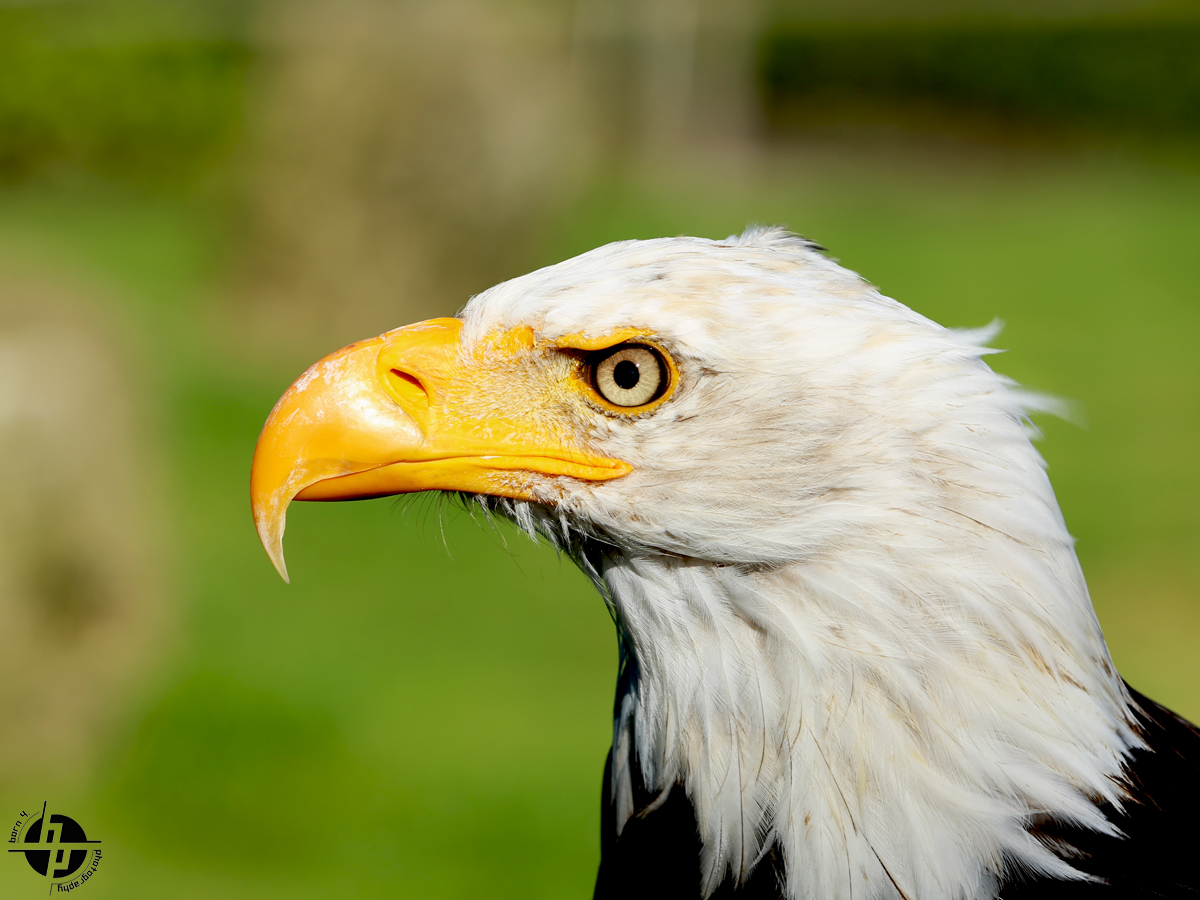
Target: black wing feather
657 855
1159 855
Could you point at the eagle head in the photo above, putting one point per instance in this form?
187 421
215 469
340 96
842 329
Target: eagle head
853 627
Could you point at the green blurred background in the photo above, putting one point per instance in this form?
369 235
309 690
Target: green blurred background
200 197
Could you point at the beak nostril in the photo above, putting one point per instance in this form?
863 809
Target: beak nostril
411 379
408 390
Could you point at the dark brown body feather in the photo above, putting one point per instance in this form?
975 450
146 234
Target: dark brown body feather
657 854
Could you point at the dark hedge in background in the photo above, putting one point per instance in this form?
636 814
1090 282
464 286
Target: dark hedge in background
1120 78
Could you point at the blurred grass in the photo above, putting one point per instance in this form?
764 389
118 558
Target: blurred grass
424 711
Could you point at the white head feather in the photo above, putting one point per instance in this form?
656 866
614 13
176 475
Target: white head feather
854 619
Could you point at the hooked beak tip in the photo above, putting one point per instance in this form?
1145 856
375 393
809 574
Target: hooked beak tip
276 555
270 534
281 566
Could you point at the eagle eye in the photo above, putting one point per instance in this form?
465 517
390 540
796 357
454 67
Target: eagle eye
629 374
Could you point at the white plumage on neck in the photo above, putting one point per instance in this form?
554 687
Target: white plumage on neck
858 626
894 754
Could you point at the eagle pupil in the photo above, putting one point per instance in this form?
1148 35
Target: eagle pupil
626 375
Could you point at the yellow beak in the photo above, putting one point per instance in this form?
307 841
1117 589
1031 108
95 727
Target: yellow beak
411 411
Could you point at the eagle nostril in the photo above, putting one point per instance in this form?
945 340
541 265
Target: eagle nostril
408 391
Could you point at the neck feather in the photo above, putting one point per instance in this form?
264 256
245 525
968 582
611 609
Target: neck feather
892 730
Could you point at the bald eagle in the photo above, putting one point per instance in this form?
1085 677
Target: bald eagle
857 654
